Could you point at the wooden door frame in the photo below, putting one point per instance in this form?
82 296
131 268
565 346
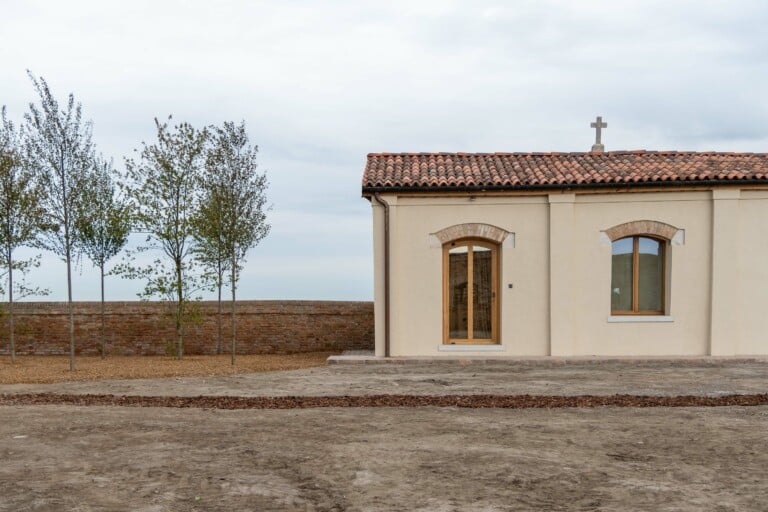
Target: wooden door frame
495 285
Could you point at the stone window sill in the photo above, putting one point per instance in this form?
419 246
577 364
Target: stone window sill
470 348
626 319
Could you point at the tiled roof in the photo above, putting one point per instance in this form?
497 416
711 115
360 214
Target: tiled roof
511 171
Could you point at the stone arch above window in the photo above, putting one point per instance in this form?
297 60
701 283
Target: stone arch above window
474 230
645 227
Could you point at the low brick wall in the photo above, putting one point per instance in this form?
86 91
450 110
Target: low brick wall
146 328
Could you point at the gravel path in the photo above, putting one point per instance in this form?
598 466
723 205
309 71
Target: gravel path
655 379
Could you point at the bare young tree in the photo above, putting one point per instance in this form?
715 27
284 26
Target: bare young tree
232 215
104 225
60 151
162 190
21 216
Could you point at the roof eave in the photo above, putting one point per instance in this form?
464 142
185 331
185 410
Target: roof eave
367 191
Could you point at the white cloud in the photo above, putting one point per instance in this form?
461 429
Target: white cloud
322 84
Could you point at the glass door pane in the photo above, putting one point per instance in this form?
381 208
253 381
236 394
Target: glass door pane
482 292
650 275
458 293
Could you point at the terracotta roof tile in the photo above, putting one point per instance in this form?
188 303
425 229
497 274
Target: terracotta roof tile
546 170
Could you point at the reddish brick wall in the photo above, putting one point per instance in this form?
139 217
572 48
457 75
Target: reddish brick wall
263 327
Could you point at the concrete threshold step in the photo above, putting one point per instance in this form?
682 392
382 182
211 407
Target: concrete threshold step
354 359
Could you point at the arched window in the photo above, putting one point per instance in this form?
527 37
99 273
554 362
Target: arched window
638 276
470 292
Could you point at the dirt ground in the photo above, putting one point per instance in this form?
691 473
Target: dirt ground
156 459
426 459
51 369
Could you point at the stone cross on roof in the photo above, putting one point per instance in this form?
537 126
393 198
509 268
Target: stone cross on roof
598 147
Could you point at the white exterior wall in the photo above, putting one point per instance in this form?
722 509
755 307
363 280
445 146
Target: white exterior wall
752 261
560 300
688 266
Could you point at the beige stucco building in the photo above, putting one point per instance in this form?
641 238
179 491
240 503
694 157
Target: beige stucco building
570 254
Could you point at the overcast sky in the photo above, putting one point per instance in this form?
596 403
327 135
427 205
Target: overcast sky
321 84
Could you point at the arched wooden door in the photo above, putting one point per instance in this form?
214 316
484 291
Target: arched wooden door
470 292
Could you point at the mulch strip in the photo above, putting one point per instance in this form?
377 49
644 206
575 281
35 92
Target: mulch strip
51 369
307 402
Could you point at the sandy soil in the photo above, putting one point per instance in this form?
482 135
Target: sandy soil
442 459
53 369
427 458
445 379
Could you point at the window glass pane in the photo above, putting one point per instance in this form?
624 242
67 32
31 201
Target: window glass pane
458 273
621 275
482 296
651 275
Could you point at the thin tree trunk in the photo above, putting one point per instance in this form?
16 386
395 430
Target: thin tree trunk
103 341
179 312
68 255
71 315
234 324
220 282
11 338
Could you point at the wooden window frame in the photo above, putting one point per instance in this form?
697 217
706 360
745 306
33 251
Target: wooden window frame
495 262
636 277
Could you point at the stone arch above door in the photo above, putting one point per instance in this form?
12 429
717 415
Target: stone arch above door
474 230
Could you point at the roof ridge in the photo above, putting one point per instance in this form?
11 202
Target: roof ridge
571 153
